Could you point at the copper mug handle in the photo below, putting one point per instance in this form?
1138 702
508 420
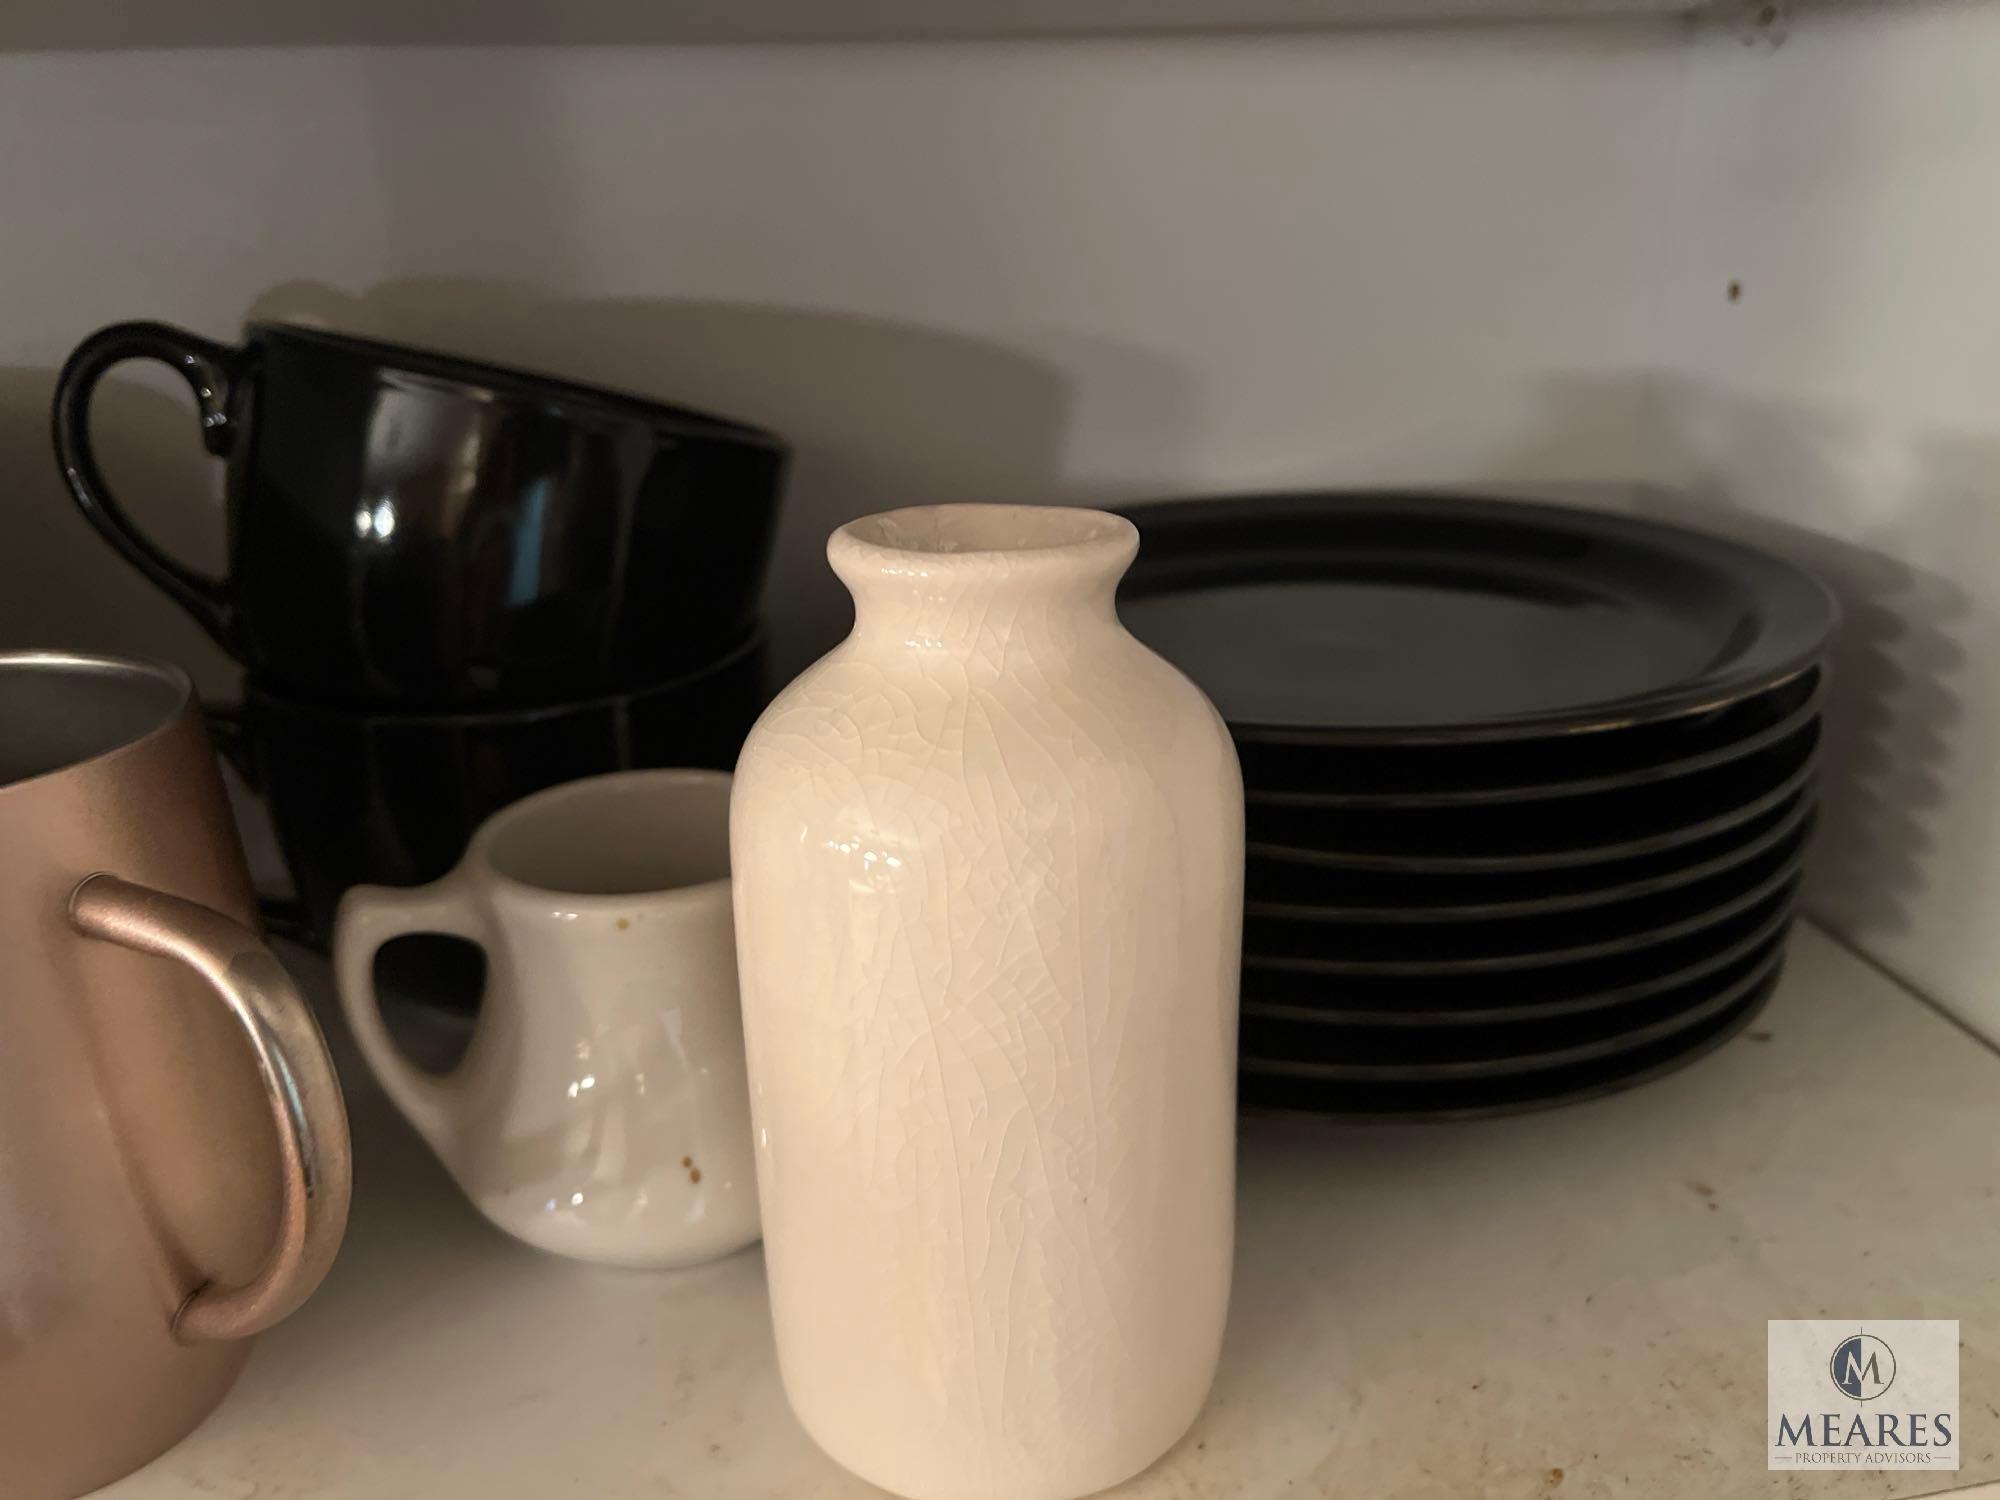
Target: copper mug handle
299 1082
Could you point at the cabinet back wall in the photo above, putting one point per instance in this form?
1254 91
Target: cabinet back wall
1044 271
1095 270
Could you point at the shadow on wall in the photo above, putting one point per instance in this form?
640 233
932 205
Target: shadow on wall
1889 793
1808 482
879 414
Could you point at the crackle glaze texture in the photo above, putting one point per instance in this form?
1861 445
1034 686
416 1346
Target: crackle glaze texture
989 866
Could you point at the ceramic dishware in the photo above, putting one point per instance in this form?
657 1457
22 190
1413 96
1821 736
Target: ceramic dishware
600 1109
989 864
1530 828
1410 619
1530 789
393 798
1286 1086
1296 770
174 1169
413 530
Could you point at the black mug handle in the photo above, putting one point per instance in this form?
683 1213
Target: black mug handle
284 916
208 369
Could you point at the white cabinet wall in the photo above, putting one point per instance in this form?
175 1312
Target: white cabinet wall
1846 408
1077 270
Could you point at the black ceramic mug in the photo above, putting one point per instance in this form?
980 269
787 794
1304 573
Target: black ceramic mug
393 798
413 530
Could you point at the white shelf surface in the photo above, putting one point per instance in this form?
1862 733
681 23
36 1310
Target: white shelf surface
1423 1312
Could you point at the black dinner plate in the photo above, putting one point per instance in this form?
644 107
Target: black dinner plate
1313 893
1522 942
1406 618
1559 829
1274 1087
1509 769
1504 1044
1456 994
1343 786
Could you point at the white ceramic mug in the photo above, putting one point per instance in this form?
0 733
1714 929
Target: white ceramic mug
601 1109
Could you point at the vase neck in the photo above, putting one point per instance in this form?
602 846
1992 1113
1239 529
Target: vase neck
983 580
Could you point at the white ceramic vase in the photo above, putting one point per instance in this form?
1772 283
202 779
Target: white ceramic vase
989 875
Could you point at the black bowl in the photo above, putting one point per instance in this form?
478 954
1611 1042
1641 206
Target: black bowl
394 799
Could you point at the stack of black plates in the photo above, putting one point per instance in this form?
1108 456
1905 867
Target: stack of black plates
1528 788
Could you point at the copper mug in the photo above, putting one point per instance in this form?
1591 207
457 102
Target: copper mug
174 1164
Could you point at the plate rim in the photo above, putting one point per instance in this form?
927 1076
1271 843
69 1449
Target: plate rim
1805 816
1812 597
1555 859
1542 791
1787 873
1528 1062
1732 1027
1417 1019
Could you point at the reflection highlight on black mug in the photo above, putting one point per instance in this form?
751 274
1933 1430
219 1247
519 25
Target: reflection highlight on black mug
415 531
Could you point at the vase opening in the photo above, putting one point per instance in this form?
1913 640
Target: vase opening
1063 546
948 530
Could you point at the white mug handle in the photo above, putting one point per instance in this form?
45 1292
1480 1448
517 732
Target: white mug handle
369 916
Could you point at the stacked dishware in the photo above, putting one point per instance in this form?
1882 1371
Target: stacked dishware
1528 789
451 584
